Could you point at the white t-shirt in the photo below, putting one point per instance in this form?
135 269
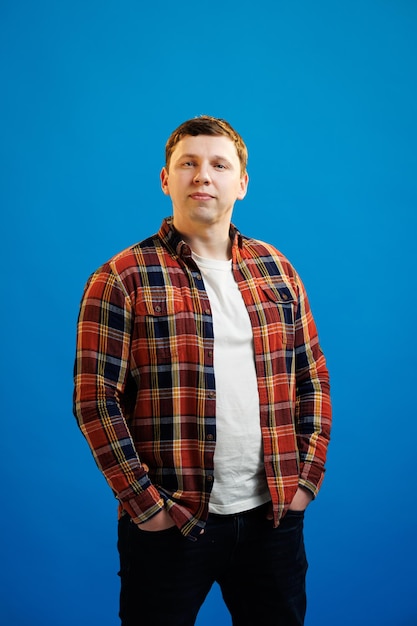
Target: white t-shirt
239 475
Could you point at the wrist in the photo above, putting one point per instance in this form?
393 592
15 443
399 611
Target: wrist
160 521
301 500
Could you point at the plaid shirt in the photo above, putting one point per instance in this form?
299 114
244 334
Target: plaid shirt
145 393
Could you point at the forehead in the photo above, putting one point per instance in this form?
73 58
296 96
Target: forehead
206 146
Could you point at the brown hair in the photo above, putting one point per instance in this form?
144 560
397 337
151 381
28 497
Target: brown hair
207 125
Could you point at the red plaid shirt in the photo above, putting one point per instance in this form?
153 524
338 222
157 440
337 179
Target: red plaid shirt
145 393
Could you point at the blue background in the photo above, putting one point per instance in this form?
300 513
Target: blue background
324 94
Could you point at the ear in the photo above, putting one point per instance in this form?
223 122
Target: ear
164 181
243 186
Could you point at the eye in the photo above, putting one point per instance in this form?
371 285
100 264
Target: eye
220 166
188 164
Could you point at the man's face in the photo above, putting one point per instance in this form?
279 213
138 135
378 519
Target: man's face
204 181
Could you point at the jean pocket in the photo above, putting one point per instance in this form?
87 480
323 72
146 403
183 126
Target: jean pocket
292 521
164 531
295 513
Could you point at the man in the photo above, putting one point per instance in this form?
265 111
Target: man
203 393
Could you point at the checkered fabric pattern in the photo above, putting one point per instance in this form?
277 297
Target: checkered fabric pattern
145 392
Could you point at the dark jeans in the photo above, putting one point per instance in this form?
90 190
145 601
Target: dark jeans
260 569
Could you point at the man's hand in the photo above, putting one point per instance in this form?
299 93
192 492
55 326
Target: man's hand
160 521
300 502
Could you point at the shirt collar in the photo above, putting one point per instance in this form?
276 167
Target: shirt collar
172 239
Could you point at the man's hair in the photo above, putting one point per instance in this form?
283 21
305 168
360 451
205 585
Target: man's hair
207 125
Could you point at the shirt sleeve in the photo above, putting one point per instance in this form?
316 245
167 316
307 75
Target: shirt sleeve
313 406
100 377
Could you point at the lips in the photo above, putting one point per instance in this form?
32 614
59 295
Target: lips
201 196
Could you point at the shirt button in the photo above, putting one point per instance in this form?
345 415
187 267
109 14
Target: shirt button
207 311
209 478
158 308
198 276
210 352
210 437
211 394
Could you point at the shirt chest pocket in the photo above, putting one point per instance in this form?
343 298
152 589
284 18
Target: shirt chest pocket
164 327
279 306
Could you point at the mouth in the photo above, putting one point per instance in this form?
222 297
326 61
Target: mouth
201 196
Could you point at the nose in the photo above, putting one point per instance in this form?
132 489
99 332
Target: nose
202 175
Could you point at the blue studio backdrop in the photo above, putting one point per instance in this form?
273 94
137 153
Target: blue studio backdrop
324 93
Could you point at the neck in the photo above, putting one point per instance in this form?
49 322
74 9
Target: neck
221 251
210 243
